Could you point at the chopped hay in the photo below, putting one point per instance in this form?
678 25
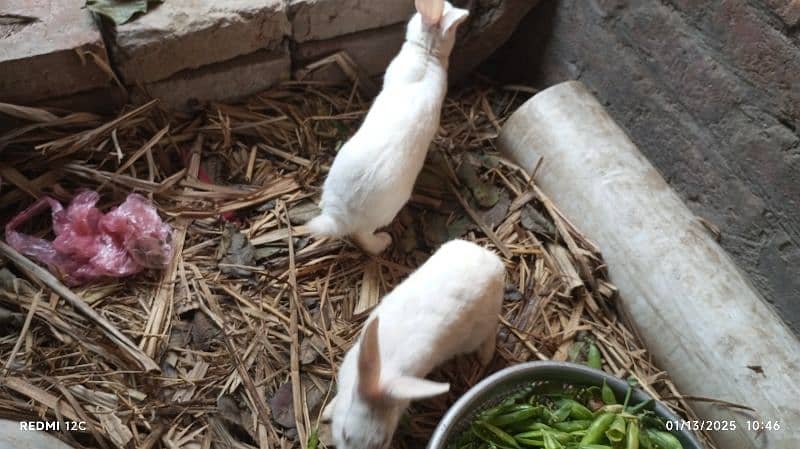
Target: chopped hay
248 323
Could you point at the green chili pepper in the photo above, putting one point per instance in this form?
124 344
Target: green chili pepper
562 413
644 439
594 446
627 397
562 437
642 405
650 420
539 426
484 434
523 393
500 434
550 442
616 432
519 414
571 426
608 395
500 408
632 438
593 357
528 435
613 408
576 409
663 440
527 442
598 428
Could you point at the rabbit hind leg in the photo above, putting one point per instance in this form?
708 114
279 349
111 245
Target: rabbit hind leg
373 243
486 349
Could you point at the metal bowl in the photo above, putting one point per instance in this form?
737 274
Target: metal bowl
492 390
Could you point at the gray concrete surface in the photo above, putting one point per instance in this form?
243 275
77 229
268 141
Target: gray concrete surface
710 92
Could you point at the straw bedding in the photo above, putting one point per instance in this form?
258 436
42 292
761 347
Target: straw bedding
249 321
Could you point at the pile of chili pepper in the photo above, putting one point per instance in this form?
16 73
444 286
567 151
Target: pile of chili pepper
569 417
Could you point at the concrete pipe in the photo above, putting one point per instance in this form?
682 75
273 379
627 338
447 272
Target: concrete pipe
16 435
698 314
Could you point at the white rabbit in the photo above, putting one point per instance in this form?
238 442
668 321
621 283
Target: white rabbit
448 306
374 172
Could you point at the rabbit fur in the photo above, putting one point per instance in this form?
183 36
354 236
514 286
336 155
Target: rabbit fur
373 174
448 306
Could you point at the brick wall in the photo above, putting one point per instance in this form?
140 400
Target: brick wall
710 91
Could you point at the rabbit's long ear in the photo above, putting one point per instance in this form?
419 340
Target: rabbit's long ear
453 18
411 388
430 10
369 362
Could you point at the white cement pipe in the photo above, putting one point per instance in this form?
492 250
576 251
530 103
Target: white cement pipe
699 316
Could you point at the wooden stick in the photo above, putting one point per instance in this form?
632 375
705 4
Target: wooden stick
25 326
62 290
294 348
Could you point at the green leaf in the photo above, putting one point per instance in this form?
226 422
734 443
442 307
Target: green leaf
313 439
120 11
434 229
486 194
458 227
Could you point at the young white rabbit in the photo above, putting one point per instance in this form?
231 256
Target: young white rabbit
374 172
448 306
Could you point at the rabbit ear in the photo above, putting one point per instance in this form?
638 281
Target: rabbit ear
453 18
327 412
430 10
369 362
411 388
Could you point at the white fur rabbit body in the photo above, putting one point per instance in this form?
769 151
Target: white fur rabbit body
373 174
448 306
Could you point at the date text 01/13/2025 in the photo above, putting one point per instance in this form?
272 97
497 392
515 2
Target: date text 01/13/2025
723 426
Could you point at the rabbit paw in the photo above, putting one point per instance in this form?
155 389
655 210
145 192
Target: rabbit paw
373 243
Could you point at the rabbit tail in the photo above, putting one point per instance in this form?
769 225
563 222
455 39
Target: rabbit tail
325 226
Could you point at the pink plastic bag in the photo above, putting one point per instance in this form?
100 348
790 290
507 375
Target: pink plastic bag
90 245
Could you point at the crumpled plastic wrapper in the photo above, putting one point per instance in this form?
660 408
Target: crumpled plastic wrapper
90 245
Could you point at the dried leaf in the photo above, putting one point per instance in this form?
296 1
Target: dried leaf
532 220
408 239
310 349
204 332
301 213
282 406
511 293
494 216
434 228
235 414
457 228
485 193
121 11
239 252
118 432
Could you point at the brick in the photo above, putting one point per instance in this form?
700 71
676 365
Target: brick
41 59
315 20
105 100
224 81
371 50
187 34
